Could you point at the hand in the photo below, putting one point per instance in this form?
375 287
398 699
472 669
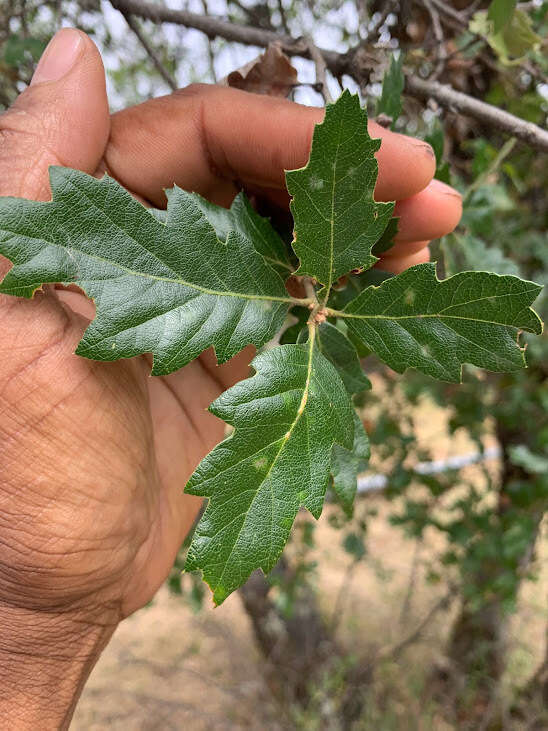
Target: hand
95 456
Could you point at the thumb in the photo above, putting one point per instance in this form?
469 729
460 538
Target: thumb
62 118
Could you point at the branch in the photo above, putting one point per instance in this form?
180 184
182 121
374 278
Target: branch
393 652
320 66
164 73
441 51
338 63
344 63
448 97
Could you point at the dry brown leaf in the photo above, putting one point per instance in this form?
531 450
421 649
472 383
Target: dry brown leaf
271 74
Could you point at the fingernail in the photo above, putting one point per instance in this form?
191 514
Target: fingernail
59 57
443 188
429 150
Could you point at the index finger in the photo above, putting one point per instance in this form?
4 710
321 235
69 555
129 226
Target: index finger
210 139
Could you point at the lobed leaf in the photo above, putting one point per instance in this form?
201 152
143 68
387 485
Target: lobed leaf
286 419
337 221
171 289
415 320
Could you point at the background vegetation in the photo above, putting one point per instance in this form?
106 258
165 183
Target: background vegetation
473 538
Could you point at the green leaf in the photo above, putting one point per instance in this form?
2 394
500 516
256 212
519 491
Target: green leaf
337 348
337 221
172 290
291 335
464 252
513 41
18 49
386 241
346 465
500 13
414 320
286 419
242 217
436 138
392 90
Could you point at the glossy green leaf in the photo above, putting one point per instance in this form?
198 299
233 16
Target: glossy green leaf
172 290
337 221
414 320
286 419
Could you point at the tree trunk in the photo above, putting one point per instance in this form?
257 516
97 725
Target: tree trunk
301 649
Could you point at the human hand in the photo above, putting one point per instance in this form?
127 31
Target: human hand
94 456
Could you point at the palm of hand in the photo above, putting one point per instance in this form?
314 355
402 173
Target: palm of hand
106 527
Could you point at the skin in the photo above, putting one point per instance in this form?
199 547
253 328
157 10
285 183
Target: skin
94 456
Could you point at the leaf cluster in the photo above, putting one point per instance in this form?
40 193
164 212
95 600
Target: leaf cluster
175 283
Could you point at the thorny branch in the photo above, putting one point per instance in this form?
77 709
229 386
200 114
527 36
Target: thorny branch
345 63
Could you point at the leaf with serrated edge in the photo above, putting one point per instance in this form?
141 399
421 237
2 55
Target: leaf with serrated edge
337 221
242 217
347 464
286 419
172 290
415 320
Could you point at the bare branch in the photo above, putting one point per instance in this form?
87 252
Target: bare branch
160 68
393 652
210 54
321 67
345 63
283 18
449 98
337 63
441 51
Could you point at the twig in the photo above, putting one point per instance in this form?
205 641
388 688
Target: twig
448 97
493 167
381 20
441 51
344 63
393 652
343 592
406 604
283 18
450 12
320 66
160 68
338 63
309 289
211 57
